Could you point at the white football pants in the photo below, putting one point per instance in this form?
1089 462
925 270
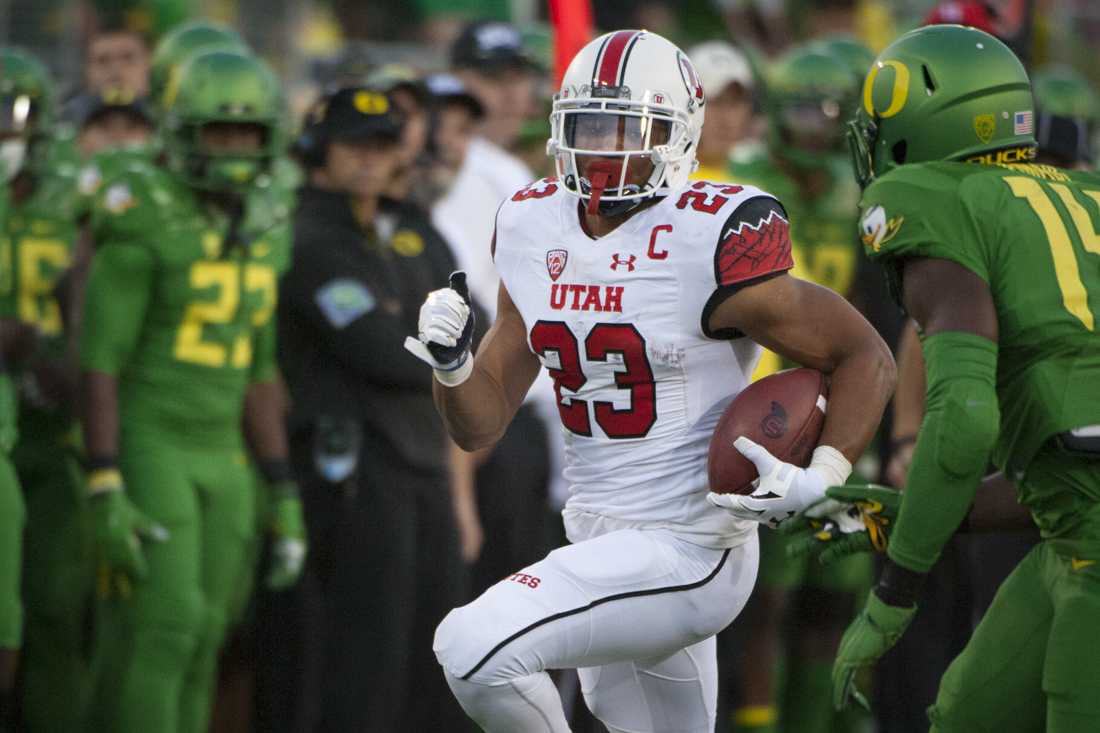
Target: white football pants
635 611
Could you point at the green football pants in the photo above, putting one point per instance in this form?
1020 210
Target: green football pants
158 650
12 518
58 575
1033 663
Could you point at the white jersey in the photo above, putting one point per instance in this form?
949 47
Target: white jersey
620 324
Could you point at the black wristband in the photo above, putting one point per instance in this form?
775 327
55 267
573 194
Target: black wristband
898 586
275 471
98 463
901 442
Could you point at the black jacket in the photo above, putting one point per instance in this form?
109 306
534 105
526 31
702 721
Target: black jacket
348 301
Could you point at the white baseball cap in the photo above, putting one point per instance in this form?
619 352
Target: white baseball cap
720 64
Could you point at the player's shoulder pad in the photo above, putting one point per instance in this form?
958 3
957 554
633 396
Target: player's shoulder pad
754 240
543 188
105 165
517 210
132 201
56 192
912 206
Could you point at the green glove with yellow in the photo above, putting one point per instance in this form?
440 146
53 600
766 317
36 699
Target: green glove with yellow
861 523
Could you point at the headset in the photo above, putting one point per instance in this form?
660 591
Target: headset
312 143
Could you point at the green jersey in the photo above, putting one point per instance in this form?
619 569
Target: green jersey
37 237
270 202
183 319
1030 232
36 245
106 165
823 242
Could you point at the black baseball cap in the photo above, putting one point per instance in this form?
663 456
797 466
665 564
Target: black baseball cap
395 77
490 46
358 113
449 89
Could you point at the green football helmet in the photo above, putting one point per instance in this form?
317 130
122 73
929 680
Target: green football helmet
1067 110
221 87
942 92
809 96
26 111
1060 90
180 44
856 56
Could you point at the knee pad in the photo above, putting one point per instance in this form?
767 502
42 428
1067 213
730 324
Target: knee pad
462 640
678 692
180 616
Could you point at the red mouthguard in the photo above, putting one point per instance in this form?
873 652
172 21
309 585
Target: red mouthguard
599 173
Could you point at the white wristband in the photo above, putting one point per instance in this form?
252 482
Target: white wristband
456 376
831 464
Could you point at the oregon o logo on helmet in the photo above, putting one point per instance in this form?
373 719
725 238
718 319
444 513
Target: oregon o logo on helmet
898 96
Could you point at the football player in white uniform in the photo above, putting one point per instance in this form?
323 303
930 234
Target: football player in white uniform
647 299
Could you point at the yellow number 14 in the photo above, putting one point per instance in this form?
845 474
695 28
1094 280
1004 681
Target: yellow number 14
1074 295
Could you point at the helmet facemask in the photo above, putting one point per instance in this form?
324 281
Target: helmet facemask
615 153
862 133
18 130
217 169
810 128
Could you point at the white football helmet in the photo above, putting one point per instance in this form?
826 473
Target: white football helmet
626 123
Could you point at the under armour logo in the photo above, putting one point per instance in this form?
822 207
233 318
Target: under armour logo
628 262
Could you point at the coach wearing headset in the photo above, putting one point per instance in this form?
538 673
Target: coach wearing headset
366 443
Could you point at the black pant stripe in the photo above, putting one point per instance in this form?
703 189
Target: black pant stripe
593 604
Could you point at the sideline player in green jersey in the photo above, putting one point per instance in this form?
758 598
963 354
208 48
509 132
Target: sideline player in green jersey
998 261
1067 116
809 94
37 234
270 197
177 350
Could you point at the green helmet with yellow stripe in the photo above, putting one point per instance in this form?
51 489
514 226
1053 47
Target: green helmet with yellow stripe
180 44
222 87
942 92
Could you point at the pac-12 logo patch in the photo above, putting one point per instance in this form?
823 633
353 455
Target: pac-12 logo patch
555 263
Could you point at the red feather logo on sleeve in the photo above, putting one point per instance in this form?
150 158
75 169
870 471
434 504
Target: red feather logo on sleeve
751 251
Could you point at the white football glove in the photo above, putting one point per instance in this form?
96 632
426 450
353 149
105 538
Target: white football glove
783 490
446 331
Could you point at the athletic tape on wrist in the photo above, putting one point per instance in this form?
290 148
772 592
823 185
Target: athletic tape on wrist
455 376
103 480
831 464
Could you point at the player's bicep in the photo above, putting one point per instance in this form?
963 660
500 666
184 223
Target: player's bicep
804 322
942 295
753 245
503 355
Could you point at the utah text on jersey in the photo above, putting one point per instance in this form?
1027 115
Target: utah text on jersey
620 324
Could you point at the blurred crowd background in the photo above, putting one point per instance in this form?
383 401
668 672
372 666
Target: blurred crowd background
348 647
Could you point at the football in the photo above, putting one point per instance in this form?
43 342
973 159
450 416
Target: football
783 412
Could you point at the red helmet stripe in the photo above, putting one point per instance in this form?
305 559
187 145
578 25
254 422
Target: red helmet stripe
607 71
